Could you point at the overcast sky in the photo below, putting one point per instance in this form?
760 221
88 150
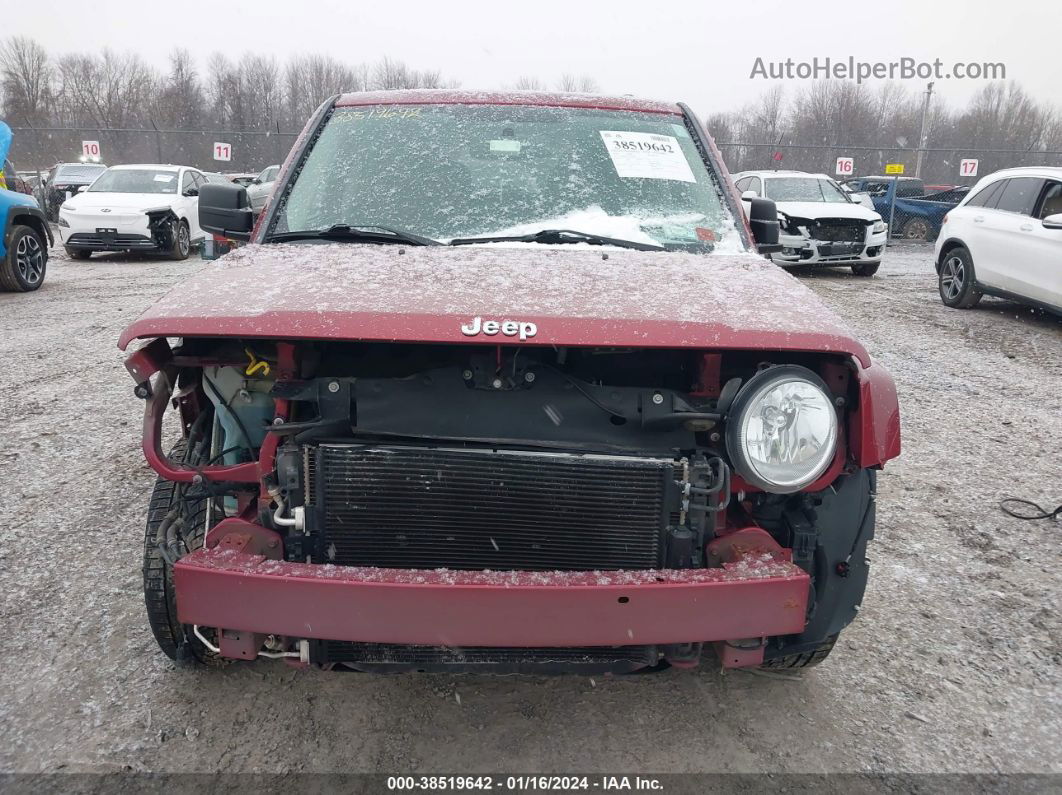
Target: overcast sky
693 50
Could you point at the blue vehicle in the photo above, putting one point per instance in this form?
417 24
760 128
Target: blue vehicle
24 244
915 216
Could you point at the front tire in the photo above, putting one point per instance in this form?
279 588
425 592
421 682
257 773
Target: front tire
175 639
955 281
804 659
25 261
865 268
182 242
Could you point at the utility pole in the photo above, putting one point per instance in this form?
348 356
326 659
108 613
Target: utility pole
922 132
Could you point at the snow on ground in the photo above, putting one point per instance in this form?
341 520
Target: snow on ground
953 664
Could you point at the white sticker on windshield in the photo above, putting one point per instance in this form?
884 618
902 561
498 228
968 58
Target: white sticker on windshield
505 145
164 178
647 155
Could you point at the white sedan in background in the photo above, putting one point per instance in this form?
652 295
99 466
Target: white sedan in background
261 186
1004 239
820 224
152 208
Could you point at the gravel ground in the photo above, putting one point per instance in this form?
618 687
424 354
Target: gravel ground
953 665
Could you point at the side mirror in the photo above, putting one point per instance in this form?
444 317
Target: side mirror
749 195
763 220
225 210
1053 221
256 181
191 192
83 188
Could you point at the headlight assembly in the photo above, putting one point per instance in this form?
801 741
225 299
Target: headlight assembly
879 226
782 429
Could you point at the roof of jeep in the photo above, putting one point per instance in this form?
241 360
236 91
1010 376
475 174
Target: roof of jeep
448 96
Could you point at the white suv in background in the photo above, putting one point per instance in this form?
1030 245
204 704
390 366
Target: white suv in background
1005 239
141 207
820 223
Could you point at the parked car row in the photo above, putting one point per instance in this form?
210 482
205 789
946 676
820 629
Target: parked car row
1000 237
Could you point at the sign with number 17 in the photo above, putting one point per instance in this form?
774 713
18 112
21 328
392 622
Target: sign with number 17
968 167
222 151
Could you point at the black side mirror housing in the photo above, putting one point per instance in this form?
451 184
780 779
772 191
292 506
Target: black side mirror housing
763 220
191 192
225 210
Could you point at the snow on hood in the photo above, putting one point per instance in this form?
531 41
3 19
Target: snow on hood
605 297
827 210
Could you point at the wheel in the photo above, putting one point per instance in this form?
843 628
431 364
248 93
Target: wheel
865 268
956 280
78 253
24 263
917 229
175 639
182 242
804 659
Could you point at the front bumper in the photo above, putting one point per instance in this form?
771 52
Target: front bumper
798 249
247 596
95 231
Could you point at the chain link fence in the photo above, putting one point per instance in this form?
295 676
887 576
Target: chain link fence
939 166
39 148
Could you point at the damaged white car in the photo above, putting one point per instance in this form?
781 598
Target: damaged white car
149 208
820 224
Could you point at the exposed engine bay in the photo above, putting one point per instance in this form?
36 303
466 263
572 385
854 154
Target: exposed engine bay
500 459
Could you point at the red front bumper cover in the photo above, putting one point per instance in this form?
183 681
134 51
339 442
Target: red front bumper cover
237 583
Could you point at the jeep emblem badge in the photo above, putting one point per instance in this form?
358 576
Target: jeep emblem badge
509 328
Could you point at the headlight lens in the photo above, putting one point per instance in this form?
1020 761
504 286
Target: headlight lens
879 226
63 222
782 431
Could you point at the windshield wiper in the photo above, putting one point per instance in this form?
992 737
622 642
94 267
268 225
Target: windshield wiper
358 233
558 236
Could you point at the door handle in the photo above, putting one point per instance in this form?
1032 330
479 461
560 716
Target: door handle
1026 227
979 219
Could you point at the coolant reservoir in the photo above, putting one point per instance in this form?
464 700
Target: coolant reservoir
242 403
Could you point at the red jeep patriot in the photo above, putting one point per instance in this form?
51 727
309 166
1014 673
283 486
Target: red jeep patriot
501 384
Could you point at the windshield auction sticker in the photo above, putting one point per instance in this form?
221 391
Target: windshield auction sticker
647 155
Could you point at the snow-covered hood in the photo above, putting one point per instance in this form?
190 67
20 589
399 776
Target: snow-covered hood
118 202
814 210
579 297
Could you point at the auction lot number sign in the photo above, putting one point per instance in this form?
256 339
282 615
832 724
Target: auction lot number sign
845 166
968 167
90 148
222 151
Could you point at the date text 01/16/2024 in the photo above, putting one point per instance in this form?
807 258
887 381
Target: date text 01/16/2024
524 783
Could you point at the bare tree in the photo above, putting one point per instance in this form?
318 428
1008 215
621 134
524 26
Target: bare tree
180 100
26 80
526 83
310 79
584 84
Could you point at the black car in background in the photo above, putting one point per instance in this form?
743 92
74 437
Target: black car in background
62 180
